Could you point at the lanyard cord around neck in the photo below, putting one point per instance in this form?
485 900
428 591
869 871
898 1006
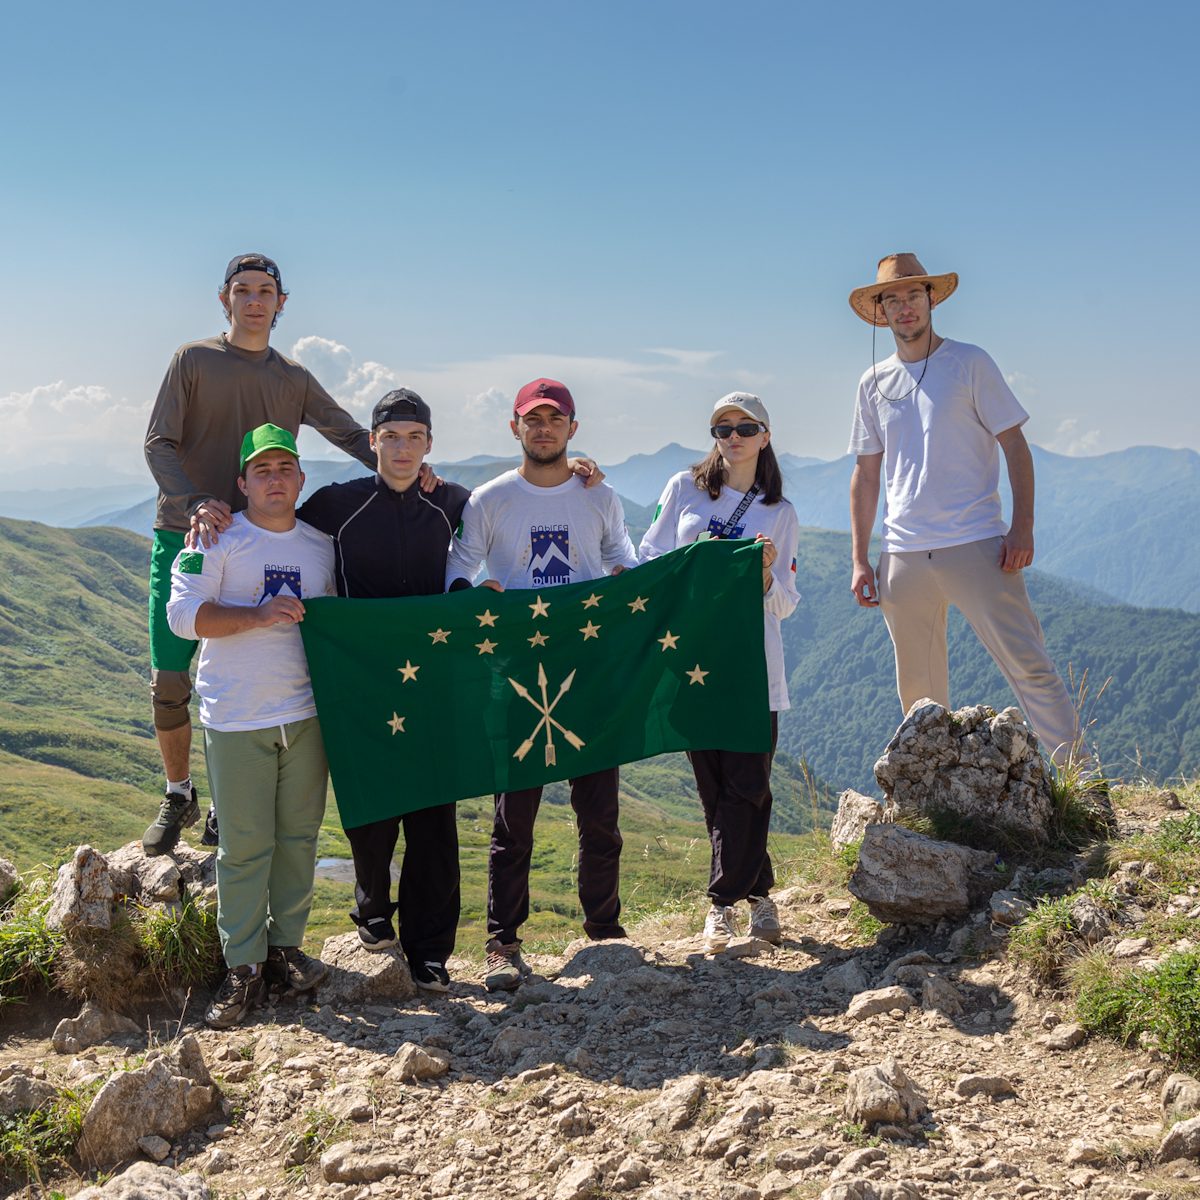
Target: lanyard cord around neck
875 371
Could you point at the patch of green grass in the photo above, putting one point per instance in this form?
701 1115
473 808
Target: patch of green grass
321 1129
1123 1003
27 948
1044 940
32 1143
181 948
866 927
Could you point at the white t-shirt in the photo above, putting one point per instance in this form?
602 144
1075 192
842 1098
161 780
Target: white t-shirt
259 678
539 537
941 462
686 511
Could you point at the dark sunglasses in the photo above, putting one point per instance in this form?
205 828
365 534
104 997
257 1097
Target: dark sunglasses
744 429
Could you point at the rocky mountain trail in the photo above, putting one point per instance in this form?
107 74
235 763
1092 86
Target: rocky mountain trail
855 1061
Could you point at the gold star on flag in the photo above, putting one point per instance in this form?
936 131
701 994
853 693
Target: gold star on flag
590 631
440 635
408 671
397 724
638 605
541 608
487 617
696 675
538 639
668 642
486 647
591 601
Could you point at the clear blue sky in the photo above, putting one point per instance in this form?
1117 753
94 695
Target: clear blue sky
464 196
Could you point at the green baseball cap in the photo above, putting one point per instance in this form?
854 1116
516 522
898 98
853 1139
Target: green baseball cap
266 437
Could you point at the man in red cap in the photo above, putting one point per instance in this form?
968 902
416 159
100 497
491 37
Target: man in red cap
929 423
536 527
215 390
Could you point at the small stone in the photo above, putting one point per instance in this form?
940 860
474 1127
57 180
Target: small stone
154 1147
983 1085
1084 1151
882 1000
1182 1141
580 1181
1064 1037
414 1063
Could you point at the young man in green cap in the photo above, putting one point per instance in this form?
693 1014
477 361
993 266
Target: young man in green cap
215 390
243 598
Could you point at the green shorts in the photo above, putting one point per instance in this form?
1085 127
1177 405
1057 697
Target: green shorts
167 652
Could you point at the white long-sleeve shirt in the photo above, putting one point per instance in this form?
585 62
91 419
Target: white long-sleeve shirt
685 511
539 537
258 678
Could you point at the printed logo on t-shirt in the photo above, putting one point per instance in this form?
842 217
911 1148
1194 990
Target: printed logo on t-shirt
716 526
550 554
279 579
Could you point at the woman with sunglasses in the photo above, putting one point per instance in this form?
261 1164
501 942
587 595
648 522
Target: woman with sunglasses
737 491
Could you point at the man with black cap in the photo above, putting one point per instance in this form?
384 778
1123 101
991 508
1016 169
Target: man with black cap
215 390
929 422
391 539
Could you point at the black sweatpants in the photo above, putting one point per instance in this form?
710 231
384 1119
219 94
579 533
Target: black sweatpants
429 880
594 799
735 790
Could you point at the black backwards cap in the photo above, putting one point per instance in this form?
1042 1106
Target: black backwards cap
253 262
401 405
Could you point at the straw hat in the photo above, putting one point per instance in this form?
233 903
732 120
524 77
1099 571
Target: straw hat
892 270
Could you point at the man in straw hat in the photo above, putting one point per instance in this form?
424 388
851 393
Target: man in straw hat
927 421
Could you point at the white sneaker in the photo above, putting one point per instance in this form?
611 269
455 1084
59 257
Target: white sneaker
764 920
718 928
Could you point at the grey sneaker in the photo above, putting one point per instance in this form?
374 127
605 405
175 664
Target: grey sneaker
241 991
718 928
175 812
505 966
288 969
764 920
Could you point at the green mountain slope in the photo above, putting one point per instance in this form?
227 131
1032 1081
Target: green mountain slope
77 755
841 672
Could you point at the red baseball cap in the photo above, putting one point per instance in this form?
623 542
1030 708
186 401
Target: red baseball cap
544 391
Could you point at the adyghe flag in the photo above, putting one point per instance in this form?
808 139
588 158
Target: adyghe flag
429 699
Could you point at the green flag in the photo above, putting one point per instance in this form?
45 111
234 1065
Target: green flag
429 699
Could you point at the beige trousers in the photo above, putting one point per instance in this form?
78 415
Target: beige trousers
916 588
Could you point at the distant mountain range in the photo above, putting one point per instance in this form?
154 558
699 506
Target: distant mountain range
1112 522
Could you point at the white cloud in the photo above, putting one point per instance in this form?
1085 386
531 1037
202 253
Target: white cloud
1070 439
1022 384
84 424
356 386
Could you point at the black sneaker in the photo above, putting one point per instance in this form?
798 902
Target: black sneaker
288 969
430 976
209 836
241 991
175 812
377 934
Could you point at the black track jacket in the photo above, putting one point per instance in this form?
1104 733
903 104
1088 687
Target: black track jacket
387 543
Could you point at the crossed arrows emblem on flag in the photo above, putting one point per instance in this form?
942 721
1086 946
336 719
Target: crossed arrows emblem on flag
546 708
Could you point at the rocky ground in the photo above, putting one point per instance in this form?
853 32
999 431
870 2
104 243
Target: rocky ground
848 1063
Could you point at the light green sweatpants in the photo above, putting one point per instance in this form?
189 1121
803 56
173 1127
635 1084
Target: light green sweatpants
269 787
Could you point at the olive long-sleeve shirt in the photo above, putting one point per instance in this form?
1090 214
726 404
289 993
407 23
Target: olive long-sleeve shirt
212 394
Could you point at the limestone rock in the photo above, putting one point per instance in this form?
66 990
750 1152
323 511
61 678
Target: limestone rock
1084 1151
983 1085
414 1063
774 1185
83 893
867 1189
940 995
855 812
1091 922
1064 1037
858 1160
1007 908
580 1181
676 1106
881 1000
93 1026
8 878
906 878
21 1092
1182 1141
358 976
146 1181
161 878
631 1174
846 978
154 1147
597 959
882 1095
982 767
1181 1094
349 1102
171 1094
363 1162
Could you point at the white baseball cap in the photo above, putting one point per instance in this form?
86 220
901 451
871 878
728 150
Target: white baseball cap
745 402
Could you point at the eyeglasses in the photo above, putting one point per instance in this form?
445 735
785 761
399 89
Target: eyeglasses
893 303
744 429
